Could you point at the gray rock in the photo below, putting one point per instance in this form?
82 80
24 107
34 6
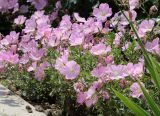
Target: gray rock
48 112
29 109
39 108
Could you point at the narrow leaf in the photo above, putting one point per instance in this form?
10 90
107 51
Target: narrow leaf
131 105
155 108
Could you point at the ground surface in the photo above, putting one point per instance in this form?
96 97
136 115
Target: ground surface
13 105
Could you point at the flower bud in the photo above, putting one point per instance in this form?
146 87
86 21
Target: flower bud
153 10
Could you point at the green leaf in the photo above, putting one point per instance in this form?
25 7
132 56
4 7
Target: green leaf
153 70
156 63
155 108
131 105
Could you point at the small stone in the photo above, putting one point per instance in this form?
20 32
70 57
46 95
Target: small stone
53 106
18 93
47 105
57 112
48 112
29 109
39 108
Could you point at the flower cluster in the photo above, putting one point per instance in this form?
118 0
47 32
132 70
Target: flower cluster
29 47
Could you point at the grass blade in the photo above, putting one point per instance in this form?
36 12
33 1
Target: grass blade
155 108
131 105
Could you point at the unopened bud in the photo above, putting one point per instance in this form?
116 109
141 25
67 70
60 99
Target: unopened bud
153 10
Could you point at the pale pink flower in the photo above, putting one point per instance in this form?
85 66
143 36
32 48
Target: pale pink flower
71 70
13 48
100 49
20 20
38 4
91 101
79 86
126 45
99 71
39 73
78 18
91 91
130 15
76 38
58 4
153 47
81 97
61 63
108 59
133 4
116 72
115 19
117 39
9 57
135 70
53 16
12 38
30 26
24 59
37 54
97 84
32 67
145 26
105 95
102 12
53 41
136 90
65 23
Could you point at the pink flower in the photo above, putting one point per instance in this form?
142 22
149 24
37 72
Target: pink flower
136 90
20 20
133 4
78 18
76 38
24 59
39 4
12 38
61 63
116 72
145 26
97 84
91 91
105 95
37 54
126 45
117 39
91 101
100 49
53 41
79 86
130 15
153 46
99 71
135 70
13 48
58 4
81 97
102 12
108 59
53 16
32 67
39 73
30 25
9 57
71 70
